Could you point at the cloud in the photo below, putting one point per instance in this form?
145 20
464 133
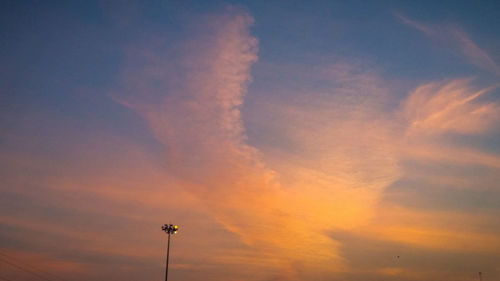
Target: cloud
450 106
340 145
473 52
428 30
279 202
330 142
375 258
192 104
299 180
329 151
455 38
437 114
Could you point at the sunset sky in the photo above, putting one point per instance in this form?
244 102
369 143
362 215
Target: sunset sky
289 140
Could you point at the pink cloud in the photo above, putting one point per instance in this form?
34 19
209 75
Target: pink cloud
452 106
455 38
428 30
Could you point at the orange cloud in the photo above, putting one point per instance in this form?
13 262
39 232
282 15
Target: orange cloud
343 145
195 112
197 116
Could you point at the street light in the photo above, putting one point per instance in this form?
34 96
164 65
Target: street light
169 229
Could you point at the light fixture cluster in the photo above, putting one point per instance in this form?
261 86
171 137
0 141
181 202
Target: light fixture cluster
170 228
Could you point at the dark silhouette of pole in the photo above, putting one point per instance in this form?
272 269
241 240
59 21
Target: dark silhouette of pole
168 254
169 229
480 276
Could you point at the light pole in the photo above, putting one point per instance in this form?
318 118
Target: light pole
169 229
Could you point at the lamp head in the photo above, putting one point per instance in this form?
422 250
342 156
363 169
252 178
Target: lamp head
170 228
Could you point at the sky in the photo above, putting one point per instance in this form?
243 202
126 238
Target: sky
288 140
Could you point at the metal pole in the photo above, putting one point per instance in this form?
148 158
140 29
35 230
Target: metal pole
168 253
480 276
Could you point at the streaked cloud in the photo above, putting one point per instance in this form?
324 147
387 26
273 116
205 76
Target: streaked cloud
451 106
455 38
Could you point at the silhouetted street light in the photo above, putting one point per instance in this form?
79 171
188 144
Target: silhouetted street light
169 229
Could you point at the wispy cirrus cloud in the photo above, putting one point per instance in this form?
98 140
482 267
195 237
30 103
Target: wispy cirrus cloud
450 106
456 38
435 112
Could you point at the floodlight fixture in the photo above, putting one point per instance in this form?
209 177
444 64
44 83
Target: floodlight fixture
169 229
